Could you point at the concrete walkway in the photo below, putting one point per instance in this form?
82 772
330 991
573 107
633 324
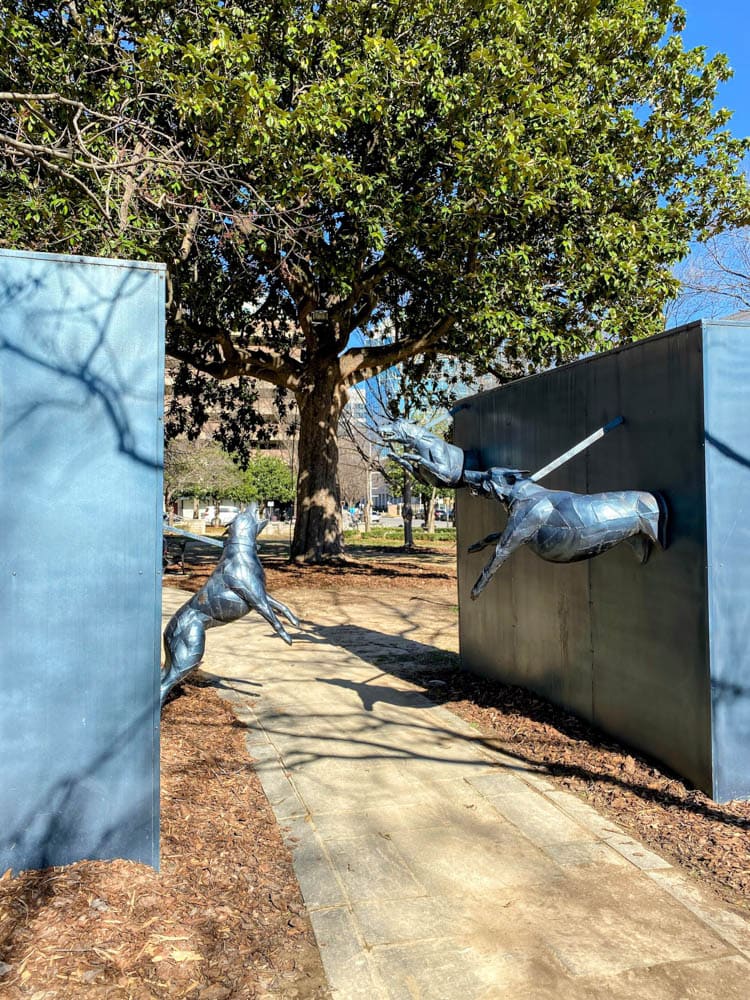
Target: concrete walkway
433 867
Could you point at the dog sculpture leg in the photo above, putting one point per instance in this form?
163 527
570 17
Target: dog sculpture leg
263 603
487 540
400 460
267 612
283 610
517 531
184 645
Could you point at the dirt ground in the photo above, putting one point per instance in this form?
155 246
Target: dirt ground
224 918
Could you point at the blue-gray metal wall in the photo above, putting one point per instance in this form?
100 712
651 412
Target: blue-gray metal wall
656 655
81 430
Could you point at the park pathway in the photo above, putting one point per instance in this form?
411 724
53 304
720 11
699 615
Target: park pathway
434 867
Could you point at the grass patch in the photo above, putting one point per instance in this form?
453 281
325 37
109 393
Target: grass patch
395 536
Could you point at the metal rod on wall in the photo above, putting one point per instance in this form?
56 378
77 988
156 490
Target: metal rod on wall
190 534
577 448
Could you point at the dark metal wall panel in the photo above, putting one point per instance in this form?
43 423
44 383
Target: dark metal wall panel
649 626
621 644
495 635
727 393
81 397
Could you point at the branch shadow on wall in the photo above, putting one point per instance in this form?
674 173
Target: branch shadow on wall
78 424
727 451
67 338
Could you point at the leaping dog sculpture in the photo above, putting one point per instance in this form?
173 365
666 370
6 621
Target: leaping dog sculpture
430 459
565 527
557 525
237 585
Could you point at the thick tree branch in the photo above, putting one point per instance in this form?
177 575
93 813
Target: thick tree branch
366 285
360 363
231 361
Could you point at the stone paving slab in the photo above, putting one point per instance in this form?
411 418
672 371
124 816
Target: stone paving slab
435 867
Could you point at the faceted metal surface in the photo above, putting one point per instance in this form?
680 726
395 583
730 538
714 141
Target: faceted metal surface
565 527
430 459
236 586
559 526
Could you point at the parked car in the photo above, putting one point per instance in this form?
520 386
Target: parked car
375 517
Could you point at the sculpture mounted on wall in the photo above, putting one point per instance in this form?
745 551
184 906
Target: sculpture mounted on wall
430 459
565 527
237 585
559 526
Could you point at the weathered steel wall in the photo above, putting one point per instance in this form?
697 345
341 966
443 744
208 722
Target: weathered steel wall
81 389
629 647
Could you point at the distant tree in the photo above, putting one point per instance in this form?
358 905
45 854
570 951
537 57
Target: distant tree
404 485
200 469
714 279
267 478
355 466
179 471
495 177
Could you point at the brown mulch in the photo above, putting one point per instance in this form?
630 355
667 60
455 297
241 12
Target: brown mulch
224 918
401 572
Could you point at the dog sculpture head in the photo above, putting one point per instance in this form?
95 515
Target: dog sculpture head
246 526
402 431
503 483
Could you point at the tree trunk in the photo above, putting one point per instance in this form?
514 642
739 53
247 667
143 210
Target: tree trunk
318 530
168 508
408 515
429 519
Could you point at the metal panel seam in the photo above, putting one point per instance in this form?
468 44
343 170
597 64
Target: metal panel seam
71 258
159 329
707 503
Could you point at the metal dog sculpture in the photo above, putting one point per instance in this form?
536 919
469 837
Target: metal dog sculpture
237 585
431 460
565 527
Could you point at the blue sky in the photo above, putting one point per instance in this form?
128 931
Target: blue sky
720 26
724 26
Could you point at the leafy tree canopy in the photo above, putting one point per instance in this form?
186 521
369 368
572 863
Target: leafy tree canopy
266 478
513 176
200 469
